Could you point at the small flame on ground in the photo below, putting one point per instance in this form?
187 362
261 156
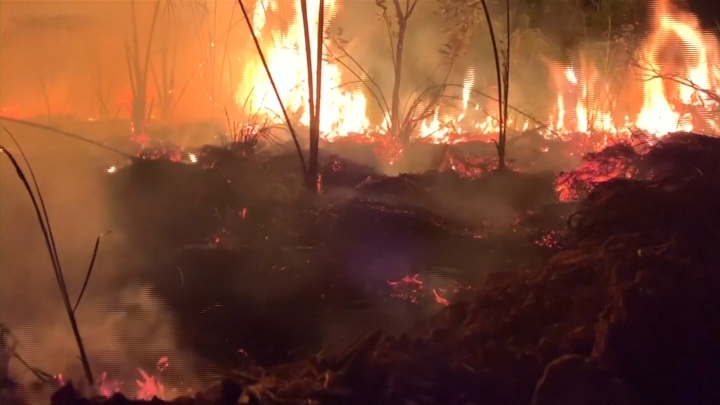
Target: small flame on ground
148 386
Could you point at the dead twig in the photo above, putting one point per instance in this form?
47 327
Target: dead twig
66 133
261 54
89 272
44 221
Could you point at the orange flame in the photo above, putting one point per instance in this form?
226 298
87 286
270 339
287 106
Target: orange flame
149 387
679 70
342 111
675 87
678 66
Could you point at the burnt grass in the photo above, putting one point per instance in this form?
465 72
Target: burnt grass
622 308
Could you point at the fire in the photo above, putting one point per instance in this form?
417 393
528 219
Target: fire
672 84
582 102
586 101
149 387
677 73
343 111
440 131
681 83
678 77
107 387
414 290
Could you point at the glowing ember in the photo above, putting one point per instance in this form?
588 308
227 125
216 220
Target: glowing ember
414 290
163 363
549 240
408 288
440 300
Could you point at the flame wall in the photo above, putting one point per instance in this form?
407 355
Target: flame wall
71 58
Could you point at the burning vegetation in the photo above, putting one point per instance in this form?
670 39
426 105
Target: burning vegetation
509 221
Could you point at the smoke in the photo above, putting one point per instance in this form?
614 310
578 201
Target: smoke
123 323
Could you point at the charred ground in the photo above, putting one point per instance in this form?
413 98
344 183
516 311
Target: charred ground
609 300
238 245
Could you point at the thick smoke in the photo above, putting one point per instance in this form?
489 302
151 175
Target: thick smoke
123 324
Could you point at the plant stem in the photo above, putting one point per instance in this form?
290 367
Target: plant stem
501 99
274 86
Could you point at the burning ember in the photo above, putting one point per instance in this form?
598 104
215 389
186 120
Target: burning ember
412 289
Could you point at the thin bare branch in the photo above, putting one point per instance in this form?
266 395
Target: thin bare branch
261 54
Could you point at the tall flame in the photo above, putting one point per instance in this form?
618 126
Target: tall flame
678 72
342 111
682 61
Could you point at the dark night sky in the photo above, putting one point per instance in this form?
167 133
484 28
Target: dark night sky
707 10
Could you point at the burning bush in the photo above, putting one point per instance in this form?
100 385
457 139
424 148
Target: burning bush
673 158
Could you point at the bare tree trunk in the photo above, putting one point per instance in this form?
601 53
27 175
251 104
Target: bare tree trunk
100 92
315 87
46 96
311 174
395 103
397 118
138 71
165 83
315 136
501 72
506 90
